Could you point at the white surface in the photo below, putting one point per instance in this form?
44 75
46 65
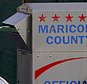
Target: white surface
16 18
57 6
3 81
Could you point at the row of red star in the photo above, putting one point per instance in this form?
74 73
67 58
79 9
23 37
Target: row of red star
68 18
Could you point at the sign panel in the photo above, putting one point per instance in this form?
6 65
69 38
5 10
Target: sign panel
59 44
59 30
60 68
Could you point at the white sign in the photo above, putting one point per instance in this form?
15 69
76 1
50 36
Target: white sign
60 31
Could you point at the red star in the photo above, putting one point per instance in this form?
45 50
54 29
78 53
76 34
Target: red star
42 18
55 18
69 18
82 18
